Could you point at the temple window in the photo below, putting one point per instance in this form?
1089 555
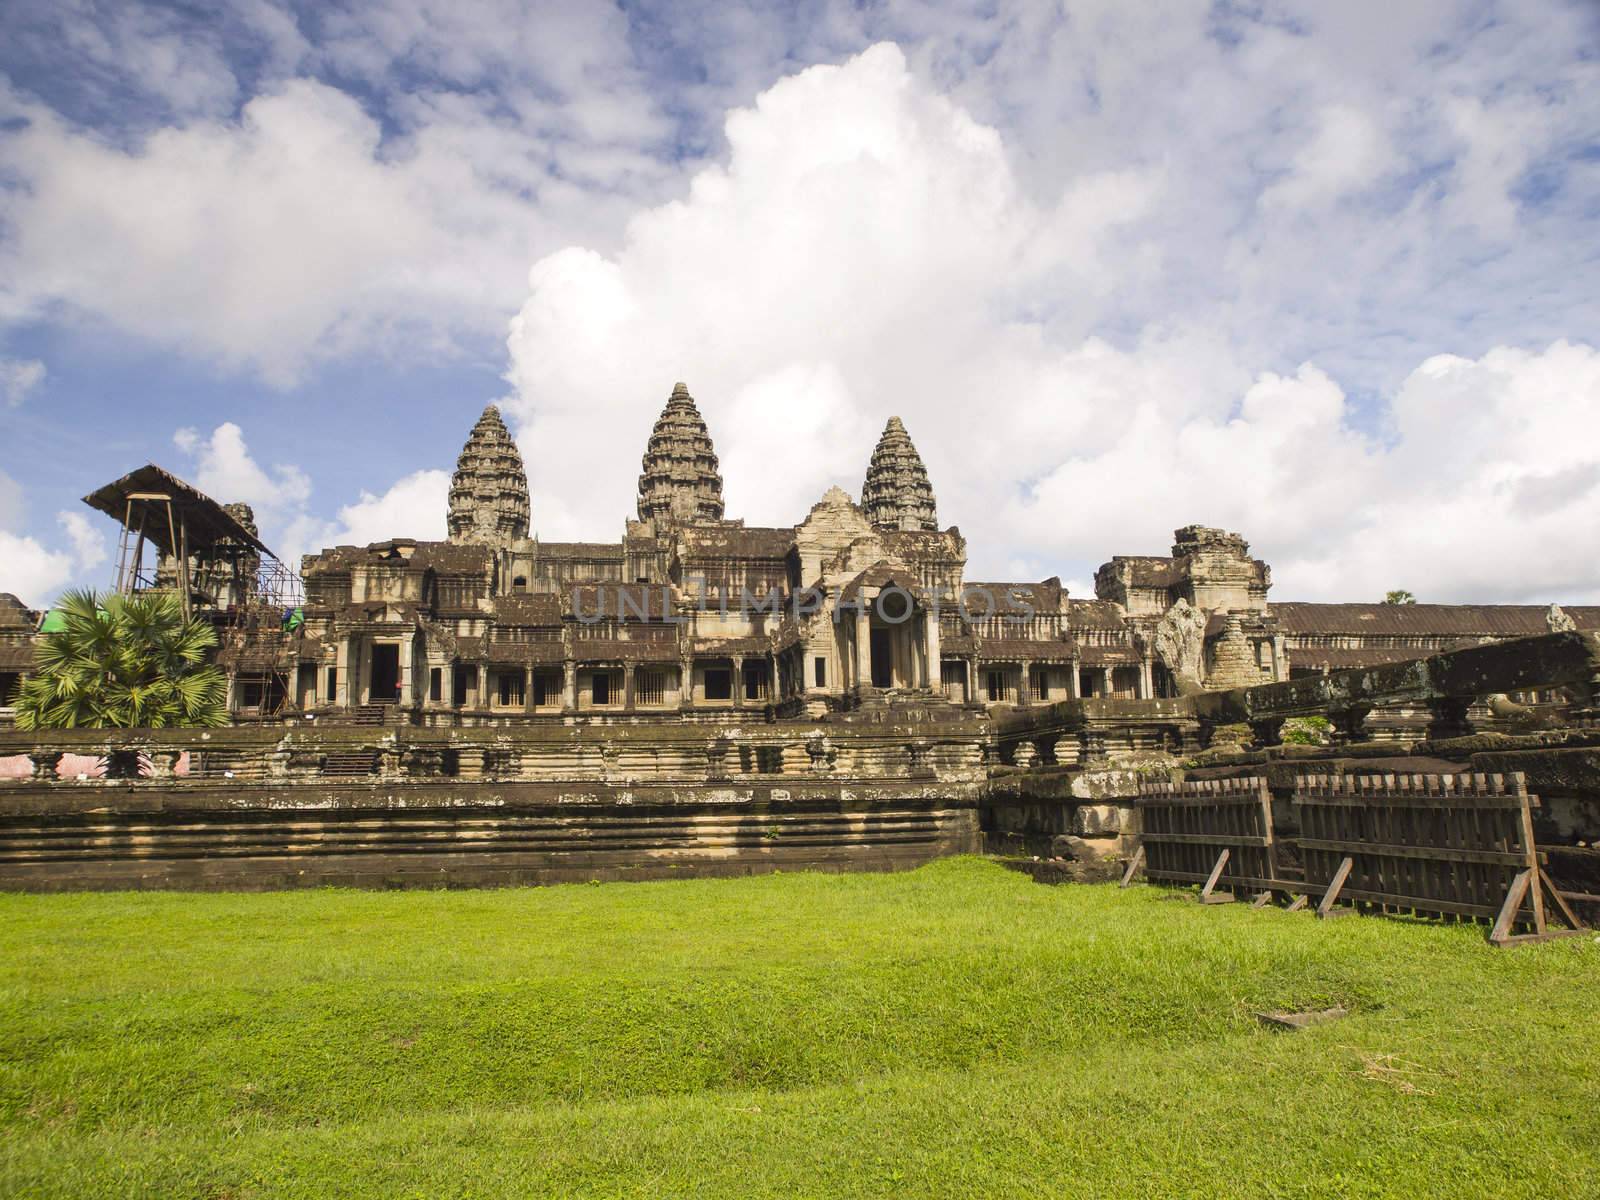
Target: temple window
436 684
821 669
650 687
510 692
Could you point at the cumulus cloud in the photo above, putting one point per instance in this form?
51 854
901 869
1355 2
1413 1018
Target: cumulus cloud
413 507
34 571
866 250
18 377
226 471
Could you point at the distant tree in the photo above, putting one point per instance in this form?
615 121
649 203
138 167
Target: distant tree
123 661
1399 596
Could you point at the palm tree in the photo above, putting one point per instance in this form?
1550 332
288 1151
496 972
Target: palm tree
123 661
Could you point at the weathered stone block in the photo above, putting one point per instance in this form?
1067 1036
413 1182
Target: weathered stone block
1095 820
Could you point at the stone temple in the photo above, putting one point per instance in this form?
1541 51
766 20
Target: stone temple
707 696
692 612
856 605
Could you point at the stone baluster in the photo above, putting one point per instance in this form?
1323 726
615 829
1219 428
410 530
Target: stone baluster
1267 731
1448 718
45 763
1349 725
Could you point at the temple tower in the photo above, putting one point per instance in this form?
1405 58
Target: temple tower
680 483
489 491
896 494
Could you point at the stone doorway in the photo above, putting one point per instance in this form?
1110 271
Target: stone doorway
882 658
385 677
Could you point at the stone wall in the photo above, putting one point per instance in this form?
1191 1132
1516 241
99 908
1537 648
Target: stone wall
415 807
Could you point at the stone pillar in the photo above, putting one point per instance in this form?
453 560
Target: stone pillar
1348 725
686 683
406 671
1147 681
738 681
627 687
569 686
934 654
45 763
1075 684
1448 718
342 694
863 647
1025 683
527 689
1105 681
1268 731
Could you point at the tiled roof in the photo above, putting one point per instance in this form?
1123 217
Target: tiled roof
1438 620
538 609
625 601
14 614
1094 614
1015 649
518 653
1041 597
737 541
568 550
1318 657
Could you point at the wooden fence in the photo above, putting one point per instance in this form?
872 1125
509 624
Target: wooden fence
1215 832
1451 845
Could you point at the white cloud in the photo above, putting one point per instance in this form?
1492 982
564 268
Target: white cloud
413 507
88 541
29 571
291 232
18 377
226 471
866 250
32 570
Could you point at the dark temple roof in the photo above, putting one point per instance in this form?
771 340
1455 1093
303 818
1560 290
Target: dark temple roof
737 541
1426 620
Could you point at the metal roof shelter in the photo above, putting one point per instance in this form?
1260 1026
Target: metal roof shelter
153 505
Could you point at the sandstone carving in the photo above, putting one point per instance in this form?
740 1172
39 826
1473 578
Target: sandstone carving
896 494
489 491
680 483
1180 644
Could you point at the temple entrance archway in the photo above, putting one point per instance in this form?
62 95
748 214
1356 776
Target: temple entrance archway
882 657
385 677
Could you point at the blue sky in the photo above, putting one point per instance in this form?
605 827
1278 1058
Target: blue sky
1324 274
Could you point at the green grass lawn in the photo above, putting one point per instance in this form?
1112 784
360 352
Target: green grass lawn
952 1031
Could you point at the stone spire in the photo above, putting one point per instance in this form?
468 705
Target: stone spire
680 483
897 494
489 491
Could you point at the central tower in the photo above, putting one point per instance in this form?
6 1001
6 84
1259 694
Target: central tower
680 484
489 491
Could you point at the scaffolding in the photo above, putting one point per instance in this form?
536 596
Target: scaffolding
203 552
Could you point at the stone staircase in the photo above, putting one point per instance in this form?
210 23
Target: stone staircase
351 765
371 715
